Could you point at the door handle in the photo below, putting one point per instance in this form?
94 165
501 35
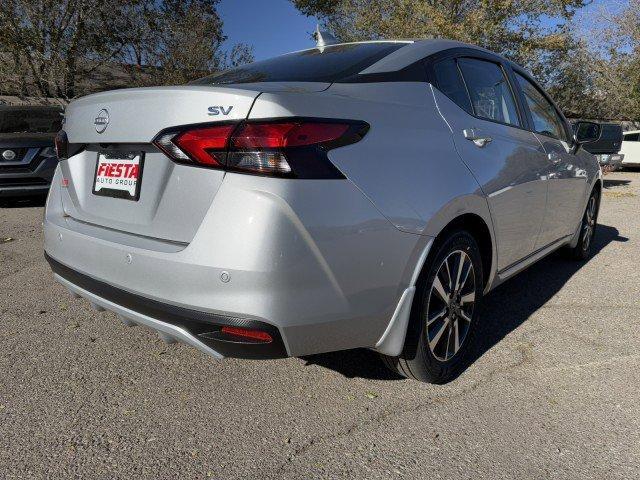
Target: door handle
476 137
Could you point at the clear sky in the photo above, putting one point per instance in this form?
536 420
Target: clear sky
273 27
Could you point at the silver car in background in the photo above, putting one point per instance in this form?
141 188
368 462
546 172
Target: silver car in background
352 195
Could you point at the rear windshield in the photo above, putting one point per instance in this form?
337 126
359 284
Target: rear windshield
328 64
30 119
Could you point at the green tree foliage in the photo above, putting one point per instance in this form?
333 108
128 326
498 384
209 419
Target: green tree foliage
600 75
592 74
512 27
619 60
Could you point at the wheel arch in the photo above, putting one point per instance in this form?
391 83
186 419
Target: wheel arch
478 224
471 213
598 187
481 232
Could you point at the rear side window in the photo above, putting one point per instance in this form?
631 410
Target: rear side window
632 137
328 64
450 83
546 120
491 95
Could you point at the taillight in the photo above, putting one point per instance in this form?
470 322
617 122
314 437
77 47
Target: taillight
64 149
62 144
206 146
294 148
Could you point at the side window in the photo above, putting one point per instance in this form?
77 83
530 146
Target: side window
546 120
450 83
632 137
491 96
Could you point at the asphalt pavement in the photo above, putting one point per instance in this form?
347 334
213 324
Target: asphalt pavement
553 391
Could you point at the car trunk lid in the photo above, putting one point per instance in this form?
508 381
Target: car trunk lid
173 198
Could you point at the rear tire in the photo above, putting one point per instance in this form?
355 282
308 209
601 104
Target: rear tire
444 314
582 250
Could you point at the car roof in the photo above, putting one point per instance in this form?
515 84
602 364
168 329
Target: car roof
417 50
413 51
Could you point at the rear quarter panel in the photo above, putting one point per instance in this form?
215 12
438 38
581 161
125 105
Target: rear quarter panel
407 164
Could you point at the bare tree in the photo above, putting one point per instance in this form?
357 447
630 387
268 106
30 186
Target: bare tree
50 44
52 48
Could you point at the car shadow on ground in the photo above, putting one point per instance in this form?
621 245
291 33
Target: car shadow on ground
505 309
23 202
609 183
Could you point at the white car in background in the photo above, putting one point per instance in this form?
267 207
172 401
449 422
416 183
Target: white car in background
631 148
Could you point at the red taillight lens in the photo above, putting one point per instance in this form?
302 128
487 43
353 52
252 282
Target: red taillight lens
207 146
252 136
248 334
313 133
295 148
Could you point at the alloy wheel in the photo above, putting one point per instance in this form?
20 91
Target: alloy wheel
450 305
589 224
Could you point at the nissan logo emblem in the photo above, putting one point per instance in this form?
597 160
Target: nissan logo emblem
101 122
9 155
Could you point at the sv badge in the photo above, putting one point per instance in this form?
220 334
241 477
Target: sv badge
220 110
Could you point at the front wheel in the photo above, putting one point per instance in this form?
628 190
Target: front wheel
445 313
582 250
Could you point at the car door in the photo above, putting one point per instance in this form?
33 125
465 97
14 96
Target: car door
477 101
566 171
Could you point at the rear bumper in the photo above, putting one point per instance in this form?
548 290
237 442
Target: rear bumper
313 262
196 328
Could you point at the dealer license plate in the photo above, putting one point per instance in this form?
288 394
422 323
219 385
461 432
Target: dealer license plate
119 175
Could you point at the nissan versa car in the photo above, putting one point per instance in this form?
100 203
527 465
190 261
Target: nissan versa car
350 195
27 155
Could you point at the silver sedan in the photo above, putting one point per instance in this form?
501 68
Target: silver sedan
350 195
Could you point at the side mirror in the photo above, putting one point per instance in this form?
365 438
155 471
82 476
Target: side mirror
586 132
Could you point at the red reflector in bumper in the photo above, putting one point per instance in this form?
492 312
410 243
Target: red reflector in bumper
249 334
